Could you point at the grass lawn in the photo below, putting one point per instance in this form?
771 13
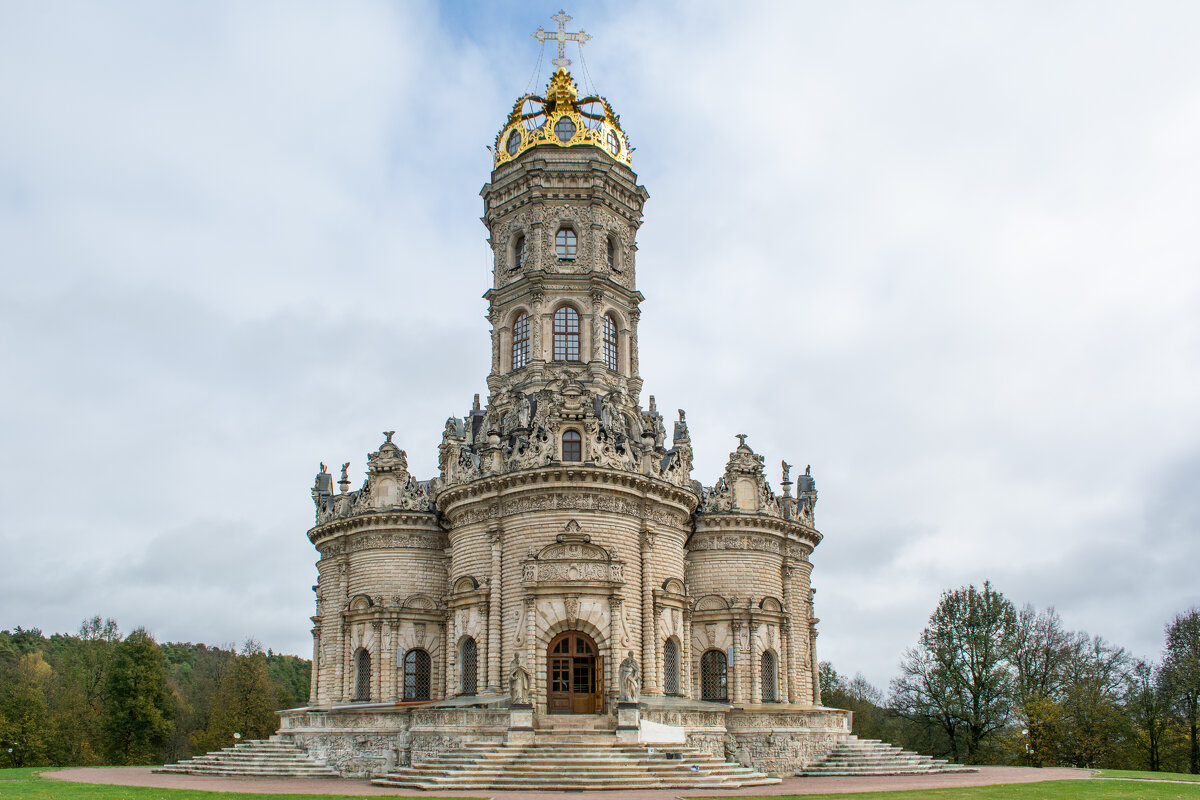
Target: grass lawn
1149 776
1047 790
23 784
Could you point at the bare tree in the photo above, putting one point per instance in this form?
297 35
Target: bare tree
1181 673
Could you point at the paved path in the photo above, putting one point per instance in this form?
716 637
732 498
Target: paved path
142 776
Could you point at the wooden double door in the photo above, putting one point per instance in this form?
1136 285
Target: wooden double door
575 678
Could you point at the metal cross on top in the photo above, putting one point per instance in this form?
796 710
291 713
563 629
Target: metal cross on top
563 37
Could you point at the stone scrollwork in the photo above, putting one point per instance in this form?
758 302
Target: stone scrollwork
572 558
388 487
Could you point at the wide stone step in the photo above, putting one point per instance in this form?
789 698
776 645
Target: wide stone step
271 758
853 756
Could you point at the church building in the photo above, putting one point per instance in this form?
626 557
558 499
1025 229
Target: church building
564 570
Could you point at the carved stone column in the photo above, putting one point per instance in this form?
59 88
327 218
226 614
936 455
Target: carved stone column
634 315
616 642
647 604
753 663
387 665
494 318
537 672
343 630
685 655
377 662
814 665
495 612
733 670
447 650
597 353
314 683
536 324
790 658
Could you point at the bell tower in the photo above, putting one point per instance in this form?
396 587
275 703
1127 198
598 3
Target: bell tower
562 210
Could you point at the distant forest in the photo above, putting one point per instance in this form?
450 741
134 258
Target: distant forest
97 697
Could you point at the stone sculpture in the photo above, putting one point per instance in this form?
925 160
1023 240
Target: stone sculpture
518 683
631 680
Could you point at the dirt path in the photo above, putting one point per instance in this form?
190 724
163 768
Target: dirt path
142 776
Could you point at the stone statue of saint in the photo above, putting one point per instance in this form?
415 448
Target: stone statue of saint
523 411
631 680
518 682
787 471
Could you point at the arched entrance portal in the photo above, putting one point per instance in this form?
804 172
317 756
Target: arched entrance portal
575 670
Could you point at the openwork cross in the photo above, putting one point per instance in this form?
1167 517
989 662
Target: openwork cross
563 37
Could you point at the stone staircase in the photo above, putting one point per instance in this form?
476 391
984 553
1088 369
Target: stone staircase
575 761
854 756
257 758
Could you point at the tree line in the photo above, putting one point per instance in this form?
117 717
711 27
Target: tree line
990 683
97 697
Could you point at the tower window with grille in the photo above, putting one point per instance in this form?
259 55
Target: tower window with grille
610 342
671 667
469 663
362 678
565 243
713 684
610 253
566 334
769 695
520 342
518 253
416 675
565 129
572 446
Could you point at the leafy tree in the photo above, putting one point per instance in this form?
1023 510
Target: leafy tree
1093 723
24 712
1148 707
1181 672
138 719
958 677
244 702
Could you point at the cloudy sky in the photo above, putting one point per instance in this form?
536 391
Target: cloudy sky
944 252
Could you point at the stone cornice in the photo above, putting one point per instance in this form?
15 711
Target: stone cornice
384 522
741 522
557 283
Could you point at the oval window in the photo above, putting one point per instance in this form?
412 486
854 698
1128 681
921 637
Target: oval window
564 129
614 144
514 142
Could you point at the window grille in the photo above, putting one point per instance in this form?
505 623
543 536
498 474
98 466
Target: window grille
564 129
713 685
520 342
671 667
566 334
610 343
768 677
362 682
470 667
572 446
519 252
416 675
565 243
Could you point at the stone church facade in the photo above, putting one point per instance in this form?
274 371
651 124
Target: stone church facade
564 533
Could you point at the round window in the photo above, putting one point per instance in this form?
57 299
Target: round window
514 142
614 144
564 129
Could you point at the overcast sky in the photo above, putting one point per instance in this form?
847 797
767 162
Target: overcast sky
946 253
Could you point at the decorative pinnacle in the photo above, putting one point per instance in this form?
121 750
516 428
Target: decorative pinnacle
741 437
563 37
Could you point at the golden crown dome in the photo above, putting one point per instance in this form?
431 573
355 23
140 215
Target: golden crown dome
563 119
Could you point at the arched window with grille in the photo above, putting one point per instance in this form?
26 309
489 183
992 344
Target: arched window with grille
572 446
362 675
610 253
468 661
713 683
520 341
518 259
565 243
609 341
416 675
566 334
671 667
769 693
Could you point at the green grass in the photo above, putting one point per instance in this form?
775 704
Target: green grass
1045 790
1148 776
24 784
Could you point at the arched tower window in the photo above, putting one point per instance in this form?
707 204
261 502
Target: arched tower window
469 666
566 334
572 446
713 684
416 674
362 675
520 342
671 667
609 341
610 253
769 694
565 243
519 252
